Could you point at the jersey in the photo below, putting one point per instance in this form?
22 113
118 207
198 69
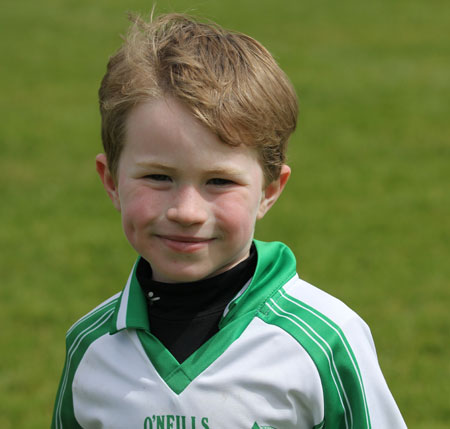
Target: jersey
287 355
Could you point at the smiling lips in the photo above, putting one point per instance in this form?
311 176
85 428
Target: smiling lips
185 244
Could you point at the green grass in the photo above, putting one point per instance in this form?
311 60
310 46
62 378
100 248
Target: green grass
367 210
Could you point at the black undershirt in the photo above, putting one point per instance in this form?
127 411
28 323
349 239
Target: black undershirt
183 316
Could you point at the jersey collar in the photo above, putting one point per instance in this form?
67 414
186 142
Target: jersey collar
276 265
131 308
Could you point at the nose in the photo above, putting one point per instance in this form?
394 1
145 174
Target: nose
188 207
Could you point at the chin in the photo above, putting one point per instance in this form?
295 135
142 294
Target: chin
181 277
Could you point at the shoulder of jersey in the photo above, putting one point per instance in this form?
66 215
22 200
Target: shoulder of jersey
322 303
99 316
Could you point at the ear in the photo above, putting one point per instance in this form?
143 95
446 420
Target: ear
101 165
273 190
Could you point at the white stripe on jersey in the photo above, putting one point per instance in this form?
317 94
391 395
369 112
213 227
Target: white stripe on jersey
100 307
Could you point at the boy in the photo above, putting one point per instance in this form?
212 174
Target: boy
213 329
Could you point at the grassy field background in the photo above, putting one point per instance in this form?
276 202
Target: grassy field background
366 211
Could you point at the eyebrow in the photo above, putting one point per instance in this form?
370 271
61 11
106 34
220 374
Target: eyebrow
230 171
145 164
224 171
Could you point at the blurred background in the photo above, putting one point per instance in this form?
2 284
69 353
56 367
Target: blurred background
366 210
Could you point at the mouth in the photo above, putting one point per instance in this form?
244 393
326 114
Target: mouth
185 244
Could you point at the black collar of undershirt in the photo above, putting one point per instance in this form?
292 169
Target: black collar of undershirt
180 301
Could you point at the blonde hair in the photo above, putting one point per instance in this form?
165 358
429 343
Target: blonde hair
228 80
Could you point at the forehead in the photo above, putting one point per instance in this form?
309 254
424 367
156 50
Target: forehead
164 118
166 129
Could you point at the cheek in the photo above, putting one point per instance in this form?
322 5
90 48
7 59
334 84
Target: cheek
138 211
238 215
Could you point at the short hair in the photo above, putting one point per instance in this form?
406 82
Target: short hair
228 80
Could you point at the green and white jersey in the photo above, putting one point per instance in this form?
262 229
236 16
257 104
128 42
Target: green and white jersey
287 355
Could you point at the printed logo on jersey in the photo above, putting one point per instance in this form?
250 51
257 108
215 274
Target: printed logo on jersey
171 421
257 426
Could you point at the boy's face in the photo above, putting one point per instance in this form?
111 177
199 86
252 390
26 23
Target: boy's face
189 202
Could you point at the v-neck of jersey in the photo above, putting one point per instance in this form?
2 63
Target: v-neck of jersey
179 375
275 266
183 316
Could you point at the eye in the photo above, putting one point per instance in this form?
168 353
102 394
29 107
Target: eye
220 182
158 177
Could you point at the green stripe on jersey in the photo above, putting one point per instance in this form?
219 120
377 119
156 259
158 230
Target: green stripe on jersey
94 325
321 425
344 396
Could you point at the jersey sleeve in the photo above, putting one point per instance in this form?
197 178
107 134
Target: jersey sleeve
355 392
383 410
79 337
63 413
